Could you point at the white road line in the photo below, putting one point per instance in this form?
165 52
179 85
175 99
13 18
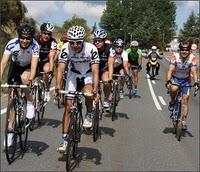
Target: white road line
162 100
153 95
154 82
5 109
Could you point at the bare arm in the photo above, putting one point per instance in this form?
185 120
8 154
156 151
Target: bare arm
52 55
126 66
170 71
194 74
111 61
4 62
60 72
34 63
95 77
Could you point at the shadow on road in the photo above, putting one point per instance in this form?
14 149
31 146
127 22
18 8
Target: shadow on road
47 122
36 147
107 131
84 154
122 115
171 130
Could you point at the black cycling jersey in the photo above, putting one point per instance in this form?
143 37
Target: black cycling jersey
45 49
103 55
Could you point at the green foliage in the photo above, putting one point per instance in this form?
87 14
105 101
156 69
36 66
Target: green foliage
150 22
191 30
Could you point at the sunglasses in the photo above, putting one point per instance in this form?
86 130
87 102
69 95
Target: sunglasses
75 42
98 40
47 33
118 47
184 50
28 38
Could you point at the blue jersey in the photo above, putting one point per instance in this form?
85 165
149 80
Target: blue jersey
21 56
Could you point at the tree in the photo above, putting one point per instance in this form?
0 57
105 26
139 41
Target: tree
191 30
150 22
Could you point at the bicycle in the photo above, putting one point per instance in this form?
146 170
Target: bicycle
115 95
39 99
16 111
129 84
75 126
176 112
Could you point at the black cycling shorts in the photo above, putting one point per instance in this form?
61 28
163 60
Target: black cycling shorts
15 71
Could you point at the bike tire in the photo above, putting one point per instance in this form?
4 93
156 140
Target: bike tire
69 155
11 150
113 104
96 123
179 130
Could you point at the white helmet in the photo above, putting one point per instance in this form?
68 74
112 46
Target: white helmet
134 44
99 34
47 27
76 32
154 47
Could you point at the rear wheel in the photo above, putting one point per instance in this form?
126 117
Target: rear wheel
179 130
69 154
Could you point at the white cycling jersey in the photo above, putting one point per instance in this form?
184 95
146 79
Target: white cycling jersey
81 62
121 57
183 68
20 56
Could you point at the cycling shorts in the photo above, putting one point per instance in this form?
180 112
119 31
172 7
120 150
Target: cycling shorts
71 81
184 81
15 72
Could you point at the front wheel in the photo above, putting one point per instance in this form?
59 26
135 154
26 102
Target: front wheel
11 135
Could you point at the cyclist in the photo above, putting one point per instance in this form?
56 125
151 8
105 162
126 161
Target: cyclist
135 62
120 62
63 39
24 54
83 64
48 50
153 55
182 69
106 54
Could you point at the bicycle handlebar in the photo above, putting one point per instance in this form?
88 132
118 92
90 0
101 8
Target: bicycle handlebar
75 93
13 86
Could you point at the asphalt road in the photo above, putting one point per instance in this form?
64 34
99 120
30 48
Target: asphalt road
141 139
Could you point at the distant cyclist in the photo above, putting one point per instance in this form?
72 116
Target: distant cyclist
24 54
48 50
63 39
120 62
82 60
153 55
106 54
182 70
135 61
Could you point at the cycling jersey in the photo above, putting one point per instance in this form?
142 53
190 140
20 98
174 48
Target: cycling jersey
121 57
81 62
45 48
59 45
103 56
133 56
22 56
182 69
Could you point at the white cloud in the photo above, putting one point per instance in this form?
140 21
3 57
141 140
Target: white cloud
84 9
40 8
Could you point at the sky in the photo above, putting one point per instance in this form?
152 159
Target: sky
57 12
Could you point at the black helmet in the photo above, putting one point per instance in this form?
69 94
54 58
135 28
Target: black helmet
47 27
118 43
25 29
185 46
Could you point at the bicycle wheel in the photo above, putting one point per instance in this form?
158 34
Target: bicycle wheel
36 104
41 96
69 154
113 104
96 122
130 87
179 130
11 150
